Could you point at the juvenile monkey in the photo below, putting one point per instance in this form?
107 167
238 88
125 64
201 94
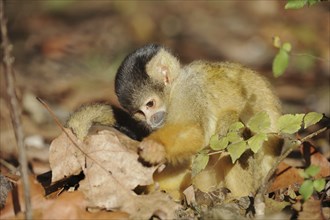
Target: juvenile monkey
184 105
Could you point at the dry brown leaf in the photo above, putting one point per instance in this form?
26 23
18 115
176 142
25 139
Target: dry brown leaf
273 206
311 209
72 205
154 204
286 176
63 157
109 157
112 171
38 201
312 156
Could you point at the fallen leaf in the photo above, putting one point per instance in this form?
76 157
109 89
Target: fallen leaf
38 201
189 195
311 209
273 206
286 176
313 157
72 205
112 171
63 156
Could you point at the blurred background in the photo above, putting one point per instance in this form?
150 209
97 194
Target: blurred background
67 52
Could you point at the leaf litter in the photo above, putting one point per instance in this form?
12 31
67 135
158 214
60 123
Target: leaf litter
112 171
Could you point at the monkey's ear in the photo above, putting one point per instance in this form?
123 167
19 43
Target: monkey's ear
163 67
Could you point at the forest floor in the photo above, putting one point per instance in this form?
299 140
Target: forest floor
67 54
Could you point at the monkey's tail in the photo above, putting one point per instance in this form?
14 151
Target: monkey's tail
82 119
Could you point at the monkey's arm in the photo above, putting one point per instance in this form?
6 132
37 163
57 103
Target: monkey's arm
82 120
174 143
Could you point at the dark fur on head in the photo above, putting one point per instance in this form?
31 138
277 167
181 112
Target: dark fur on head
131 76
129 126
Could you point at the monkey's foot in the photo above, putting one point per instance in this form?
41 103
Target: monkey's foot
152 152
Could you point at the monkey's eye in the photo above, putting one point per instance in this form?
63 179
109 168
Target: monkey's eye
150 104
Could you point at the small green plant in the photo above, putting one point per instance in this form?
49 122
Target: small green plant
281 60
297 4
259 126
311 184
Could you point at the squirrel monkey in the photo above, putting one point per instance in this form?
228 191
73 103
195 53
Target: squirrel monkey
182 106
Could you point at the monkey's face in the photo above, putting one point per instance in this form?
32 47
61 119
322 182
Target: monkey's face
152 112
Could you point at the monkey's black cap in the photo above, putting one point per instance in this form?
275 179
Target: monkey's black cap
132 76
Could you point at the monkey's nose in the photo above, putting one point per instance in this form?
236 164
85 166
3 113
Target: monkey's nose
157 119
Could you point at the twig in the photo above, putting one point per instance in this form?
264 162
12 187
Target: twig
313 134
9 166
295 143
69 137
15 109
264 187
75 143
311 56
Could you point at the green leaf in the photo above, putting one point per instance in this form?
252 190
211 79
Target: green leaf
306 189
319 184
287 47
218 144
236 126
312 118
303 174
277 42
199 162
236 150
312 170
234 137
214 141
312 2
256 141
295 4
57 5
259 122
223 143
280 62
289 123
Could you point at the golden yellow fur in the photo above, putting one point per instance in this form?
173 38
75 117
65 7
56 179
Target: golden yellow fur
82 120
202 99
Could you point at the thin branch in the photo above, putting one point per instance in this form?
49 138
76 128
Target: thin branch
15 109
311 56
295 143
76 144
313 134
69 137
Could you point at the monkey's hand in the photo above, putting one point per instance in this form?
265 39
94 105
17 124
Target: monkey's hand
174 143
152 152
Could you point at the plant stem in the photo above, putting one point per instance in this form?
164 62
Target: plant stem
15 110
295 143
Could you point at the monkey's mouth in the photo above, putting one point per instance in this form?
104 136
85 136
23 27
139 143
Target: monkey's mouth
157 120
